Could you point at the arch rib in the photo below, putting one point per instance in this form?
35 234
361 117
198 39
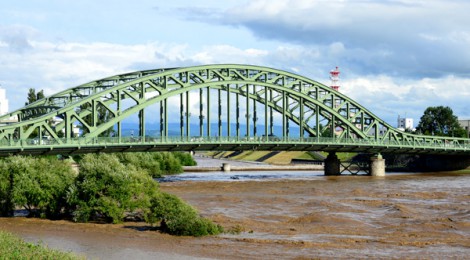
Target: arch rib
297 99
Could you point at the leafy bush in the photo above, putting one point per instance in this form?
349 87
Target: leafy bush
179 218
144 161
156 163
107 189
39 185
185 159
12 247
6 185
170 165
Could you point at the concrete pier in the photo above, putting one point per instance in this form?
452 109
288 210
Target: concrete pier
226 167
377 165
332 164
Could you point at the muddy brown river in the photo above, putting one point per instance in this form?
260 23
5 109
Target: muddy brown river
412 216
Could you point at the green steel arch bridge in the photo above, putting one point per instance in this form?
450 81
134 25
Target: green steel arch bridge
215 107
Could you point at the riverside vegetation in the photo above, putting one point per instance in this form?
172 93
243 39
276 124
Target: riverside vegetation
12 247
109 188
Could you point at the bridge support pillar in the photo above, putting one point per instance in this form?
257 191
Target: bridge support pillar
226 167
377 165
332 164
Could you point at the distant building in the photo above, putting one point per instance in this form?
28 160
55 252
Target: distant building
465 123
405 124
4 109
3 102
58 120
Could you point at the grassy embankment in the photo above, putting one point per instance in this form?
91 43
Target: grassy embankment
279 158
465 171
284 158
12 247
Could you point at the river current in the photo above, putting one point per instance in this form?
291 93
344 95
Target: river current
289 215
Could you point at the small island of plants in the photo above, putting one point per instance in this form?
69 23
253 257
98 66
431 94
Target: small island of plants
109 188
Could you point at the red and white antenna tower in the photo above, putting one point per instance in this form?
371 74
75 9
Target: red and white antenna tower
334 76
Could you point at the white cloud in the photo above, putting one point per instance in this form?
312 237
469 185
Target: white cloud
397 57
228 54
57 66
16 37
388 97
409 38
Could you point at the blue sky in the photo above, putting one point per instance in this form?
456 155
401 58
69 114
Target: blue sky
396 56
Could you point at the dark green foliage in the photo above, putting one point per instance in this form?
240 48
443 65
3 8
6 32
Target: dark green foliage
440 121
104 190
179 218
107 189
157 164
144 161
6 185
39 185
76 158
33 96
170 164
185 159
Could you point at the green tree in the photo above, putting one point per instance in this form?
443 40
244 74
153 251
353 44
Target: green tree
185 159
107 189
440 121
6 185
179 218
33 96
170 164
143 161
157 163
37 184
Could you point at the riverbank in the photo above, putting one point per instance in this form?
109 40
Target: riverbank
254 168
399 216
208 164
12 247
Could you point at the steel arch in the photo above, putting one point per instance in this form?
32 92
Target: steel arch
298 99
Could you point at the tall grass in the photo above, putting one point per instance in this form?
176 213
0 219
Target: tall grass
12 247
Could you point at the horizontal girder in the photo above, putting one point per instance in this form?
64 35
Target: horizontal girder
137 144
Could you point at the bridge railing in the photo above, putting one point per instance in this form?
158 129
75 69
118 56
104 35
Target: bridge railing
422 143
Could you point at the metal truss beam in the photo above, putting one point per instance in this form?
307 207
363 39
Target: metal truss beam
249 91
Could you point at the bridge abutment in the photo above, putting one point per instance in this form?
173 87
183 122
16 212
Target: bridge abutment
377 166
332 164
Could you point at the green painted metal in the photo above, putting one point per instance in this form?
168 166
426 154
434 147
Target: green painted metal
102 105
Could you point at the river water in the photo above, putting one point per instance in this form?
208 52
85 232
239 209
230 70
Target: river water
242 176
289 215
397 216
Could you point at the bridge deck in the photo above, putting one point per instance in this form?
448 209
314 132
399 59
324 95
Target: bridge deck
136 144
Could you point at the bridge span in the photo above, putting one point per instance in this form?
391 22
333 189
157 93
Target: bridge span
216 107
